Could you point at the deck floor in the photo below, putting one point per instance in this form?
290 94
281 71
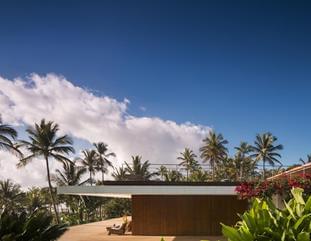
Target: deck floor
97 232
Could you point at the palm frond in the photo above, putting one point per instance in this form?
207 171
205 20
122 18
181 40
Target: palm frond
25 160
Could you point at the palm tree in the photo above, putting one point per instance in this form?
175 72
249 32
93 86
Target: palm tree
89 161
241 157
69 175
214 150
307 161
173 176
7 137
103 162
139 171
162 171
188 161
199 176
45 143
34 199
266 150
243 149
10 194
119 174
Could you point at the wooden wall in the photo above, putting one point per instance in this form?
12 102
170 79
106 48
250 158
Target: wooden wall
184 215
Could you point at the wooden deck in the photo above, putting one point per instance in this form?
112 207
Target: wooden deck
97 232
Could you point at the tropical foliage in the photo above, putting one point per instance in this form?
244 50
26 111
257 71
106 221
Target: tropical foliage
138 170
243 162
117 207
35 199
89 162
103 157
69 175
308 160
44 143
199 175
266 150
265 222
119 174
281 186
8 136
36 226
10 194
212 162
173 176
214 150
188 161
162 171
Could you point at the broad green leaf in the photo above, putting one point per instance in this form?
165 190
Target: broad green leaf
308 204
300 220
303 236
289 209
297 194
231 233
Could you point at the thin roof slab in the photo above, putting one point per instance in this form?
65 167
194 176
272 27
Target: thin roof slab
128 188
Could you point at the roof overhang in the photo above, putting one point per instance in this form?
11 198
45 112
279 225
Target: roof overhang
126 191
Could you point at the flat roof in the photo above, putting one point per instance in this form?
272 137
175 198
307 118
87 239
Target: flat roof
164 183
128 188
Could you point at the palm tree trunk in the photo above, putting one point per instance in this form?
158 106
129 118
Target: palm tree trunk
264 169
80 209
241 172
51 190
103 176
91 179
213 170
100 212
187 175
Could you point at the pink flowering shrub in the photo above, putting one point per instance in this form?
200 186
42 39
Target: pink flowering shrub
281 186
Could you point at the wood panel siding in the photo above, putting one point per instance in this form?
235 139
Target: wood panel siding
184 215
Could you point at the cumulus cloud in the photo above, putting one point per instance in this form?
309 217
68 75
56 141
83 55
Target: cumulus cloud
84 115
34 174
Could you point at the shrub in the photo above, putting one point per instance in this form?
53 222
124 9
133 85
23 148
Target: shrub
267 188
117 207
70 218
265 222
29 227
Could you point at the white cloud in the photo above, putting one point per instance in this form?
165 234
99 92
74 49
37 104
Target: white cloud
33 174
94 118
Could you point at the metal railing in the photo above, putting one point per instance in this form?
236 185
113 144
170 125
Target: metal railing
255 174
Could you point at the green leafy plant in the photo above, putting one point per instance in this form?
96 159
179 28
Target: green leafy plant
265 222
29 227
70 218
117 207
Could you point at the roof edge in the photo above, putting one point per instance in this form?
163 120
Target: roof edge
163 183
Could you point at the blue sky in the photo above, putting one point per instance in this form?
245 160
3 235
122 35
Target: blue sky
241 67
